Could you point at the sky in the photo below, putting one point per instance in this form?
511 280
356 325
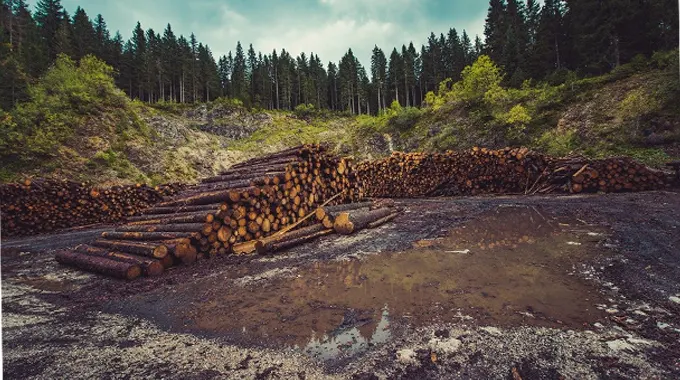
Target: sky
325 27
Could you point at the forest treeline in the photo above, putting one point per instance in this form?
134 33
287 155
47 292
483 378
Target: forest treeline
547 42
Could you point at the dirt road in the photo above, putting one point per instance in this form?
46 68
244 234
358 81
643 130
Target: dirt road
540 287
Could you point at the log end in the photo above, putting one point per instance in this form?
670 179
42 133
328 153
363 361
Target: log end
160 251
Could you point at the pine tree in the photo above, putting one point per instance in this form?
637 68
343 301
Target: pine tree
332 86
84 36
138 60
193 69
379 75
49 15
102 37
547 50
238 76
395 75
467 51
494 30
63 41
170 51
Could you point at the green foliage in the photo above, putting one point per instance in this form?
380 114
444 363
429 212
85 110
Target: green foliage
666 60
483 76
60 103
637 104
116 162
558 143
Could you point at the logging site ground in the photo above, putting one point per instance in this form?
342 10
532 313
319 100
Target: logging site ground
584 286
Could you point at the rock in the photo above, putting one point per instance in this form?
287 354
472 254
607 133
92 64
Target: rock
675 299
495 331
446 346
406 356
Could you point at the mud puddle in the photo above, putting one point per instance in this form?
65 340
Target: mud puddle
511 266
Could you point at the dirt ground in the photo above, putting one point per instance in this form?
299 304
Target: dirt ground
559 287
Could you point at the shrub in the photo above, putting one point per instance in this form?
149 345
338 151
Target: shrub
558 143
59 103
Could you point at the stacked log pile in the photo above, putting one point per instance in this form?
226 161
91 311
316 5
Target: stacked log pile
41 206
510 170
251 201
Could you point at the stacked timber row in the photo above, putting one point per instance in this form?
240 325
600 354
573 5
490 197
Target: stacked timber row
510 170
251 201
41 206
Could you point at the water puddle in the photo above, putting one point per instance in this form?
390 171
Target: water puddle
509 267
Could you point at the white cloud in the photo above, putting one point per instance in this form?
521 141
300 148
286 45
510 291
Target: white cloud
330 40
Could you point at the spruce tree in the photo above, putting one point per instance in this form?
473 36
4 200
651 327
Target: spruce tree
49 15
238 76
494 30
84 35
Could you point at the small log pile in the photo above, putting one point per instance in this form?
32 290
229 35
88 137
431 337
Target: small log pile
255 200
510 170
43 205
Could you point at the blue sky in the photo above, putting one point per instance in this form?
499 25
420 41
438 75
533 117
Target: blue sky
325 27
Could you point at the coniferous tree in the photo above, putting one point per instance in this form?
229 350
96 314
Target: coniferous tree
138 63
102 40
394 75
494 30
379 76
84 35
238 76
63 40
49 15
333 86
547 52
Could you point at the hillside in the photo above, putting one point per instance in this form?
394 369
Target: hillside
78 125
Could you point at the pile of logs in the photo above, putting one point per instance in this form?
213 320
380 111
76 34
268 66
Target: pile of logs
43 205
510 170
254 203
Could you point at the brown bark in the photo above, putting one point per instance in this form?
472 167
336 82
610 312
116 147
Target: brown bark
106 266
150 267
349 222
153 250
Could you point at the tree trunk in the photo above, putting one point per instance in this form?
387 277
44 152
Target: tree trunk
101 265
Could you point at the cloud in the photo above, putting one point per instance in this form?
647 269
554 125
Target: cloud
326 27
332 39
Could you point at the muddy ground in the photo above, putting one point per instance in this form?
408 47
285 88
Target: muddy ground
540 287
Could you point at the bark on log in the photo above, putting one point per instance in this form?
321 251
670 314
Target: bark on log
349 222
188 227
101 265
280 245
153 250
150 267
147 236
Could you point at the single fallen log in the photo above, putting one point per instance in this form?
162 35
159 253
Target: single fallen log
280 245
148 236
150 267
188 227
349 222
156 251
106 266
263 245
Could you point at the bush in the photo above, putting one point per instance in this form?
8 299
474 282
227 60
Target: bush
558 143
59 103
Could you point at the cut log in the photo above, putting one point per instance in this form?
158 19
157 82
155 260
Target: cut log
147 236
156 251
106 266
349 222
285 244
188 227
193 217
321 212
150 267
